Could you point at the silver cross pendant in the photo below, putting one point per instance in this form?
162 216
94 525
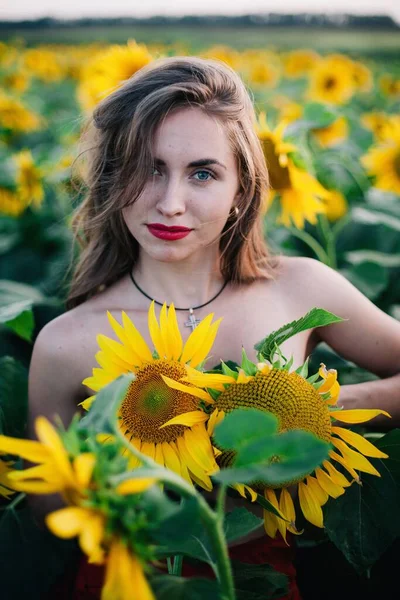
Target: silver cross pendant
193 322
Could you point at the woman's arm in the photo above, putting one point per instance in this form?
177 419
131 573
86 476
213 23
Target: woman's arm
369 337
52 392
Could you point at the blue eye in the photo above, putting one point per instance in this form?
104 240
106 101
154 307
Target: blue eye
207 172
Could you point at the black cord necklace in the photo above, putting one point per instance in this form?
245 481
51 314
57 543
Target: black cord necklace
193 322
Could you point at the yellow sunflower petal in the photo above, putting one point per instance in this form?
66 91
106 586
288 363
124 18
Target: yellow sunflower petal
83 467
136 339
203 395
333 489
118 353
174 334
270 520
309 505
286 506
123 568
243 378
171 459
135 486
67 522
28 449
320 494
155 332
208 380
189 419
200 448
358 415
343 462
359 442
215 418
159 457
191 464
164 333
91 537
98 380
36 487
149 449
336 476
86 404
355 459
46 471
50 438
125 339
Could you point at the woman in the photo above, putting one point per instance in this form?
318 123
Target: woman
176 176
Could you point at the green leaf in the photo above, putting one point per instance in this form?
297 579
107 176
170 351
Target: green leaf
167 587
19 318
239 523
319 114
317 317
370 278
249 367
13 397
369 217
297 453
243 425
365 520
258 582
382 259
103 412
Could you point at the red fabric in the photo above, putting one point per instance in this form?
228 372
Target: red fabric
89 578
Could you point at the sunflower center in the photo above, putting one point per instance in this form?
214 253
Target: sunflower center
149 403
330 83
288 396
278 175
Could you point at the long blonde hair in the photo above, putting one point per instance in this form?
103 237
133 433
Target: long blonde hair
118 151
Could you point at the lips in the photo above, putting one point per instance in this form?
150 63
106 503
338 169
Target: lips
169 234
172 229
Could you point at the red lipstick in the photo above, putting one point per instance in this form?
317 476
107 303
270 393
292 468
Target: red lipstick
172 233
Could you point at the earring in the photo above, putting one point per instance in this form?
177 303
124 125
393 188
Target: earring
235 212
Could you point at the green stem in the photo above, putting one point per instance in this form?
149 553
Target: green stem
215 530
170 565
311 242
213 521
329 239
177 568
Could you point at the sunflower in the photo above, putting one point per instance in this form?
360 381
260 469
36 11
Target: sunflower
362 77
300 193
159 415
10 203
299 403
44 63
108 69
336 205
376 122
224 53
332 134
332 80
73 478
29 179
389 85
383 160
300 62
14 115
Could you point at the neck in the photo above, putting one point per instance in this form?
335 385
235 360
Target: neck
186 283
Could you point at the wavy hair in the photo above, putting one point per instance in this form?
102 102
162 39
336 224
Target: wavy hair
117 148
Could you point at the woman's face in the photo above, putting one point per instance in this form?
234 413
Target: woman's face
178 193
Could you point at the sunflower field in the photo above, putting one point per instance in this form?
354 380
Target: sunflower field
329 125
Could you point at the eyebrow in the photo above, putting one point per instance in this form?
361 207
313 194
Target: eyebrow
202 162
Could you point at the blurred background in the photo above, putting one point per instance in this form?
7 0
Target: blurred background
326 87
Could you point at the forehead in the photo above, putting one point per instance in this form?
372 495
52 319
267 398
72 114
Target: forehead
190 130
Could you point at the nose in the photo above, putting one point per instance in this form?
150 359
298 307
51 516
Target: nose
171 200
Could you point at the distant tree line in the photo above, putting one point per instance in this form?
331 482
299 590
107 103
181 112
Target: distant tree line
342 21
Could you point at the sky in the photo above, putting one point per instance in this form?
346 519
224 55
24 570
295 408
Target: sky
73 9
